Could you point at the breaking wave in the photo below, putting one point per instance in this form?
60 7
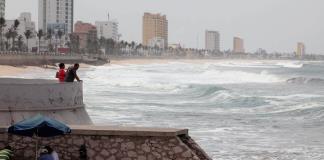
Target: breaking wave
304 80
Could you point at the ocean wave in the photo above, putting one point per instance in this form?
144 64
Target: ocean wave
291 64
305 80
236 77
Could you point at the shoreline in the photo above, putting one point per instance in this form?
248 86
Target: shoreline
9 71
143 61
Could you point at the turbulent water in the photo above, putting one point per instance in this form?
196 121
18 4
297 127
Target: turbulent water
240 110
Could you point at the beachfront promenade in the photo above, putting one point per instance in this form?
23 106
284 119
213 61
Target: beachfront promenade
21 99
36 59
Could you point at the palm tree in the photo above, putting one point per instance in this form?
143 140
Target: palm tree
2 25
14 32
7 35
28 35
102 41
20 42
49 36
133 44
60 34
40 34
75 43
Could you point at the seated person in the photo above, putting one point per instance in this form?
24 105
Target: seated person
61 73
71 74
45 155
52 152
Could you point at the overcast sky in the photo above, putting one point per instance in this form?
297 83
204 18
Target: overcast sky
275 25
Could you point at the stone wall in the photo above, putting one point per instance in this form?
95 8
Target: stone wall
110 144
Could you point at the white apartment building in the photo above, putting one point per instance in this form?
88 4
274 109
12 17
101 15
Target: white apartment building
107 29
212 40
158 42
25 23
2 8
56 14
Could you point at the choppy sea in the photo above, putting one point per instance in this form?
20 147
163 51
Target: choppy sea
236 110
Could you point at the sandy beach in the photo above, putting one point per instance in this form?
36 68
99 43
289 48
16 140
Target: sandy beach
7 71
11 70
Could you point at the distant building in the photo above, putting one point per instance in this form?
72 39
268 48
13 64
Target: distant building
155 29
56 14
238 45
86 32
107 29
212 40
25 23
157 42
261 51
2 8
301 49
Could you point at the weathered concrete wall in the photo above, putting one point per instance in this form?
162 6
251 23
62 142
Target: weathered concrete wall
110 143
21 99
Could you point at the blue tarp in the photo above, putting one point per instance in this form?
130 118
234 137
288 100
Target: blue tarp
39 126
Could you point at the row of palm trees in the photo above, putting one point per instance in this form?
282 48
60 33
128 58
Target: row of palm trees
12 34
124 48
17 41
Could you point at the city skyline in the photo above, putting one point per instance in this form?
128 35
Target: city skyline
252 20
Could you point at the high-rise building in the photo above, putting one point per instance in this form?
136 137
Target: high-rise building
155 29
238 45
301 49
107 29
86 32
2 8
56 15
212 40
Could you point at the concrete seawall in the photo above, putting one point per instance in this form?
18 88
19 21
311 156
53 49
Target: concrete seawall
112 143
21 99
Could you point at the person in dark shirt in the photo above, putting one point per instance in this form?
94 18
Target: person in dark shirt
71 73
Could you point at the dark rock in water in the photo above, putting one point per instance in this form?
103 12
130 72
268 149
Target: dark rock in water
299 80
304 80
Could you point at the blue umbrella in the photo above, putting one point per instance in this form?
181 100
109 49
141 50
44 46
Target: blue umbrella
39 126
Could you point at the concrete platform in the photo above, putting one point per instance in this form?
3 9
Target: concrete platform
126 131
120 131
24 98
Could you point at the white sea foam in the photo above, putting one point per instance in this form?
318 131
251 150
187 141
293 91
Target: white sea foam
290 64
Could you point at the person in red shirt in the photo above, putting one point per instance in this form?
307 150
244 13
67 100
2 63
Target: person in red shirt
61 73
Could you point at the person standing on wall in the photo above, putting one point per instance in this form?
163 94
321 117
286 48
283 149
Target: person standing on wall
71 73
61 73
